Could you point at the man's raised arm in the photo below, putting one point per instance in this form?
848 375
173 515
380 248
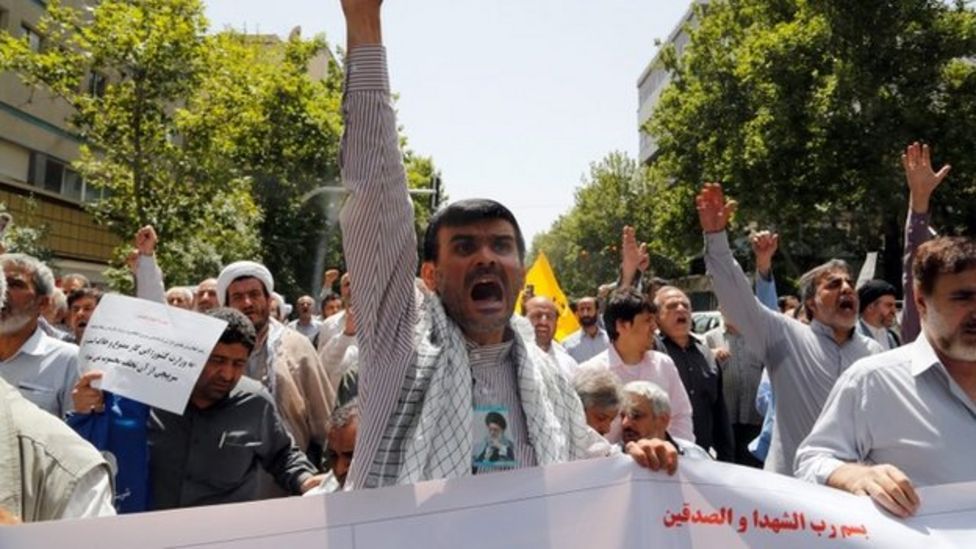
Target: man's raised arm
149 277
728 281
377 229
922 182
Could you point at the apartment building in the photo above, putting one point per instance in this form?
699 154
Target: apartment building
655 78
36 150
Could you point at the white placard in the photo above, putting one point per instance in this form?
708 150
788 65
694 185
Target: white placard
595 503
149 352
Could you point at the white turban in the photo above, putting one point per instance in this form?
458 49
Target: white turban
240 269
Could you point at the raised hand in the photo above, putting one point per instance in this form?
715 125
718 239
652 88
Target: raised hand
633 257
146 240
714 210
922 179
764 246
329 278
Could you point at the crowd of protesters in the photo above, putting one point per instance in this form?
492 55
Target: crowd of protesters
407 369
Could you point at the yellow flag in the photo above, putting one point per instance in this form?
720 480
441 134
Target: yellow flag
543 282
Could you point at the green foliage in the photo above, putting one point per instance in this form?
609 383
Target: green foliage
802 108
583 245
219 141
153 55
26 234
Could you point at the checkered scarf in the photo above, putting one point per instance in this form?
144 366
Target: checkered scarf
428 436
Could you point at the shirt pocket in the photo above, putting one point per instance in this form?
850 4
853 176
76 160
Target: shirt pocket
234 457
44 397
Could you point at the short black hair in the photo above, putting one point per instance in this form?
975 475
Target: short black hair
468 212
239 328
84 292
623 305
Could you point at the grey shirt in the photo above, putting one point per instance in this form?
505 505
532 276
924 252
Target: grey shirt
803 361
582 347
212 456
45 371
741 373
899 408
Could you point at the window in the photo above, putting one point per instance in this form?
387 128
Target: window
33 38
72 186
3 19
96 84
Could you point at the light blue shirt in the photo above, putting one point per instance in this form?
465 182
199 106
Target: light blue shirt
900 408
582 347
44 370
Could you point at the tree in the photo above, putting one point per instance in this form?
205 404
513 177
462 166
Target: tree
583 245
802 109
150 55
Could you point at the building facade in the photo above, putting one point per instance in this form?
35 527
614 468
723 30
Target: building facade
37 147
655 78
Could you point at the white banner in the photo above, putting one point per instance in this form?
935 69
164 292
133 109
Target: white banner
598 503
150 352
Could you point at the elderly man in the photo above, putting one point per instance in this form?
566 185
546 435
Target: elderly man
699 372
343 426
180 296
543 315
212 452
590 340
50 472
878 312
629 318
428 373
646 413
44 369
803 361
205 296
905 418
283 361
305 324
599 391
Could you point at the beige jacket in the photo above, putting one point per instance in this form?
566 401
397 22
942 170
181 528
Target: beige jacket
303 394
41 459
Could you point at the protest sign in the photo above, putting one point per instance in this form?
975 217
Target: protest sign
149 352
595 503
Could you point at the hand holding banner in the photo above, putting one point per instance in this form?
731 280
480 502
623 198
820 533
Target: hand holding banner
149 352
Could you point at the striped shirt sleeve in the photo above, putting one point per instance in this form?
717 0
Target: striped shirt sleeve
379 244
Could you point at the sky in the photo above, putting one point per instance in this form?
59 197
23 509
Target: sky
513 99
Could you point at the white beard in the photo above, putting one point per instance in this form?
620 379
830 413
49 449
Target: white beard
949 342
14 323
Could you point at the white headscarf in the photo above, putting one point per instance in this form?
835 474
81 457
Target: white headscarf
240 269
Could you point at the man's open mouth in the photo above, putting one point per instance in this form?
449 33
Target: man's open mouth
487 291
846 304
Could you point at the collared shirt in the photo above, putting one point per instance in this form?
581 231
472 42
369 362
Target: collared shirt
658 368
883 336
309 330
44 370
703 381
741 373
582 347
212 456
803 361
900 408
